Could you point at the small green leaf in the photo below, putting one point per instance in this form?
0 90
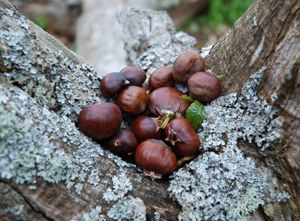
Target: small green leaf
187 98
42 21
195 114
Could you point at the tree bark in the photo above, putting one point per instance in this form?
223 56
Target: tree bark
269 35
44 86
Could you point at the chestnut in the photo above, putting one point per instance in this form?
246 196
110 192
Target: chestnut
133 100
145 128
100 121
123 142
204 86
111 84
155 156
135 76
187 64
167 99
182 137
162 77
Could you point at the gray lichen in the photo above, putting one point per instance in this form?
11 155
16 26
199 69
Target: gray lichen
94 177
224 184
245 117
29 147
150 38
156 216
218 186
121 185
93 215
16 210
47 75
206 50
165 55
131 209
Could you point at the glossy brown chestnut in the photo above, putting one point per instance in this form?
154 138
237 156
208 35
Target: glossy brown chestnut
123 142
162 77
111 84
133 100
100 121
145 128
204 86
167 98
187 64
182 137
135 76
155 156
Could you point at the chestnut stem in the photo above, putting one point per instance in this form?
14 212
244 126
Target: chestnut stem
184 159
166 120
153 175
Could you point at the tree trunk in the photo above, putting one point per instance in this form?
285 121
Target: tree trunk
50 171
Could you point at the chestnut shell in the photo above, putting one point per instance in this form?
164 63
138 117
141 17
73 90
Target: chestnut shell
111 84
162 77
135 76
187 64
204 86
167 98
100 121
154 155
145 128
182 136
133 100
123 142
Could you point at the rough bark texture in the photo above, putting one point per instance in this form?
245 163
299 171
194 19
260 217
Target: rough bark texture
269 35
50 171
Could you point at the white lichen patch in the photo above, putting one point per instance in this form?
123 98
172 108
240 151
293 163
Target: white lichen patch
93 215
130 208
29 147
246 117
258 50
254 22
150 38
218 186
165 55
17 210
204 52
224 184
121 185
49 76
156 216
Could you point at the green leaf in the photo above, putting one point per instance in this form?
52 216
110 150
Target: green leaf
42 21
187 98
195 114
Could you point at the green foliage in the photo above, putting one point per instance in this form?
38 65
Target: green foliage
222 12
196 114
41 21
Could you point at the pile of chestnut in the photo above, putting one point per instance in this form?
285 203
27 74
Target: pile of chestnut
159 134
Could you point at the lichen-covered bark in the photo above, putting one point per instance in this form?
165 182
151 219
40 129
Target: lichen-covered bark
61 174
53 172
61 168
150 38
43 67
269 35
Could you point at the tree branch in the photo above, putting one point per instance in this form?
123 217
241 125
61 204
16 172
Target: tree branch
67 176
